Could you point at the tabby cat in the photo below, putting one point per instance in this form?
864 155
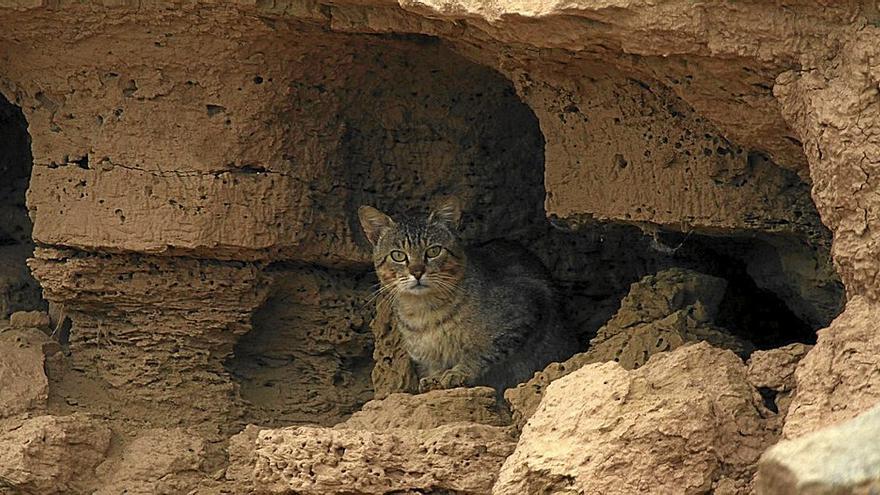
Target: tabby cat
468 315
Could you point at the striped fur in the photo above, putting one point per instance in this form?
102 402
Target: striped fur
468 316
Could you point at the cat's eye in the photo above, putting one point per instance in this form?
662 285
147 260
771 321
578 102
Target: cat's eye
398 256
433 251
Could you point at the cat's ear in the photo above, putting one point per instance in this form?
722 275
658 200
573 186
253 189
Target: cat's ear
374 222
448 210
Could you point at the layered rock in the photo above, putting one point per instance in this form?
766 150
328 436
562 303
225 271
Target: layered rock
686 422
773 374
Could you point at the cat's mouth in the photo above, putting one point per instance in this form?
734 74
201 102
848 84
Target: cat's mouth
417 286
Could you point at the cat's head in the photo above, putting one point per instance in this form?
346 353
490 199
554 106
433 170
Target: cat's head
416 257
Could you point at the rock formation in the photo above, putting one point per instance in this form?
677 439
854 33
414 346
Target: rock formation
179 181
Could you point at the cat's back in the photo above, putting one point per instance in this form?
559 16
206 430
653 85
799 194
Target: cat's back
508 261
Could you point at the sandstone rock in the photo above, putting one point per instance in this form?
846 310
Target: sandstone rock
686 422
157 461
52 454
772 373
460 457
837 460
661 312
23 382
29 319
840 377
307 359
429 410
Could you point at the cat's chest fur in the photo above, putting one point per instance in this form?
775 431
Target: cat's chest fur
437 336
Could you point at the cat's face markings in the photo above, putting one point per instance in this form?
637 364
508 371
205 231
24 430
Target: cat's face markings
416 257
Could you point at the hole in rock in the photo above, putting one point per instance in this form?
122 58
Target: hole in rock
18 289
415 121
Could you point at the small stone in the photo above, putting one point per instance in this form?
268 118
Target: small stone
29 319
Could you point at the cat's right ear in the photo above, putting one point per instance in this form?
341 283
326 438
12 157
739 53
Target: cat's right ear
374 222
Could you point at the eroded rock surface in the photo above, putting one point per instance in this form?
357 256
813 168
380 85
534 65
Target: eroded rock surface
840 377
460 457
23 382
52 454
686 422
429 410
773 374
157 461
661 312
841 459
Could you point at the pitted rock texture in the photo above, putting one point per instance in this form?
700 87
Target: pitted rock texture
308 357
686 422
660 313
51 454
157 461
23 382
840 460
840 377
459 457
155 329
429 410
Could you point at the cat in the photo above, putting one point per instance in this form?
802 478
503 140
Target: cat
468 315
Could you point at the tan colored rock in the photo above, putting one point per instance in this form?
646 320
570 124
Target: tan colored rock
460 457
660 313
840 377
686 422
154 331
827 108
23 382
774 369
307 358
29 319
772 372
157 461
52 454
842 459
429 410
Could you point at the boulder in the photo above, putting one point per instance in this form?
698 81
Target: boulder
839 460
52 454
660 313
840 377
23 382
686 422
157 461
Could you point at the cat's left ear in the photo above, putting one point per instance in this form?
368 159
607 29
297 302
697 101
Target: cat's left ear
448 211
374 222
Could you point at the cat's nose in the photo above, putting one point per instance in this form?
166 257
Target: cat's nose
417 271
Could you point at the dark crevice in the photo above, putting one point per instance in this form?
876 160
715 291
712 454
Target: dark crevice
18 289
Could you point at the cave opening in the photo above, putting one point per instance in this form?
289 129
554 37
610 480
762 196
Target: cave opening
415 120
19 291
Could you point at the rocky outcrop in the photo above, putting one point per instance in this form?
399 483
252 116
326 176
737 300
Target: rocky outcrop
429 410
445 440
25 386
841 459
51 454
157 461
772 373
686 422
661 312
840 377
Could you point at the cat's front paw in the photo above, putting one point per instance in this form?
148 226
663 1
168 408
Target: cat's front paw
447 379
